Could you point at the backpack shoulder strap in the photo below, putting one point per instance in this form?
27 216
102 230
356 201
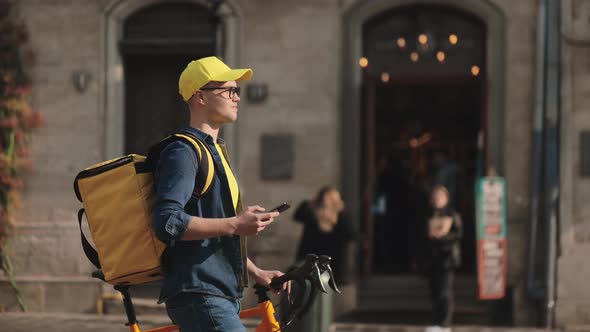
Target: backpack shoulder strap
90 252
206 167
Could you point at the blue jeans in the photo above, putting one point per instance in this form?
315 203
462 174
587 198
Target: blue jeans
194 312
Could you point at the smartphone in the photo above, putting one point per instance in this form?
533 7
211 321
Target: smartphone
280 208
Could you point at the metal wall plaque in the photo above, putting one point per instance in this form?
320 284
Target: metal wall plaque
257 93
277 157
585 153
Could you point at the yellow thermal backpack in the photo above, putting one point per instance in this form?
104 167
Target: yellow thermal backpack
118 196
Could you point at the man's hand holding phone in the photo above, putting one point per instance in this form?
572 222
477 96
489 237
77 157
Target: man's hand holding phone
254 219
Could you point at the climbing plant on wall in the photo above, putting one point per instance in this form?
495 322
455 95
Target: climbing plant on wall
17 119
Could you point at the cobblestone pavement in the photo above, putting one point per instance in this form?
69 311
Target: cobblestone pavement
61 322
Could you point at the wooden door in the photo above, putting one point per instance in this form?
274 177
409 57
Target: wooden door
154 108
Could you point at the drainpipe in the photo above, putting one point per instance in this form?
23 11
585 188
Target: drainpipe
535 290
545 161
552 132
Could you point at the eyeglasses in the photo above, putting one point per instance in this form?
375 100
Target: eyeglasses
232 91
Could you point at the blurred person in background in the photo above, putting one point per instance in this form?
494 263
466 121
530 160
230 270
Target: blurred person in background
444 230
325 229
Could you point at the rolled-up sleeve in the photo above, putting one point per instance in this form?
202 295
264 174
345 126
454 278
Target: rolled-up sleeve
175 181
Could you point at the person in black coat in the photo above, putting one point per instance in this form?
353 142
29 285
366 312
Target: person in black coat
444 256
325 229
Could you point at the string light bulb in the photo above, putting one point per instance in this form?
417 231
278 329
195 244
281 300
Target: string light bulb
475 70
363 62
401 42
423 39
453 39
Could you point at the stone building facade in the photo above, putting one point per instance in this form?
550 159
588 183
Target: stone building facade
306 53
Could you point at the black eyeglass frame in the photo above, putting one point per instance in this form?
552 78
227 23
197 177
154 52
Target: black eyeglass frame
233 90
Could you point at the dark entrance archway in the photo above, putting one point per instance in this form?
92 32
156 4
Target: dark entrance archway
424 96
407 107
353 160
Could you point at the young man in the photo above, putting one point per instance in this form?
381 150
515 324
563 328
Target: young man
207 266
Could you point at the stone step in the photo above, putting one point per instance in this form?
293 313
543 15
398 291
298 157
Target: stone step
413 317
416 302
462 284
420 305
411 292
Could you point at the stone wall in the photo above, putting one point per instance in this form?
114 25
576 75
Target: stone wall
573 295
521 21
49 264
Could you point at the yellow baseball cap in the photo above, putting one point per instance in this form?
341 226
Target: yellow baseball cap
200 72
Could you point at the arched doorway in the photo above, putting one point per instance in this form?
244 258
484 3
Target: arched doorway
424 109
402 103
131 28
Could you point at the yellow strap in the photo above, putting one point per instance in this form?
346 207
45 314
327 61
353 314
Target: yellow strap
231 178
198 148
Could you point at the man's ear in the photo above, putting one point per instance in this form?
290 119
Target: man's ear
199 97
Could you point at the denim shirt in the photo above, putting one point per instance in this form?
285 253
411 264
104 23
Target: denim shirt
212 266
